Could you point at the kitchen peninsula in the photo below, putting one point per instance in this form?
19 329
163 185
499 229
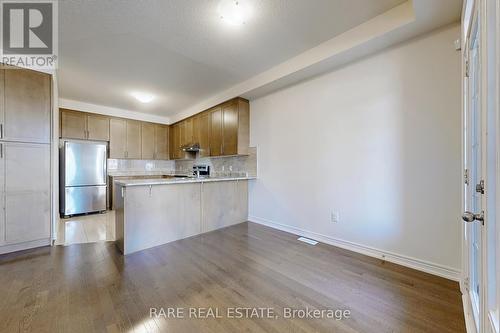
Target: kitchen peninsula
152 212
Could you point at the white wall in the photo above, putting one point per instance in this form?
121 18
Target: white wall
379 141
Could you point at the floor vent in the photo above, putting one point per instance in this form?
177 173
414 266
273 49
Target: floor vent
307 240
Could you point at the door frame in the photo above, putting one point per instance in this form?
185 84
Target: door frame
471 9
474 314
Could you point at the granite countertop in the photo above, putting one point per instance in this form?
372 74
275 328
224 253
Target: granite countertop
148 182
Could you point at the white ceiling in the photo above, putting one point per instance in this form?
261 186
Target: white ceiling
182 52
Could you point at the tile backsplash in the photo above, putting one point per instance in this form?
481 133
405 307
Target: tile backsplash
117 165
242 165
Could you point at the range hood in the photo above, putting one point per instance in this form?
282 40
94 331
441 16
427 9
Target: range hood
192 147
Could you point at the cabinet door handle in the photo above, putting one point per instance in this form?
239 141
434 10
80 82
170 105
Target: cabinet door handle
1 131
1 150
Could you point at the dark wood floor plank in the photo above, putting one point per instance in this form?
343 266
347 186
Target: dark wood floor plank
92 288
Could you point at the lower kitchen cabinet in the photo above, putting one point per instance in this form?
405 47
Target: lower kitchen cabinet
26 191
152 215
224 204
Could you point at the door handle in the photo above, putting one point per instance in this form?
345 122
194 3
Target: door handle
471 217
480 187
1 131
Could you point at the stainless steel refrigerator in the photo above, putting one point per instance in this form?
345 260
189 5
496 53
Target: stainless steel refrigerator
83 186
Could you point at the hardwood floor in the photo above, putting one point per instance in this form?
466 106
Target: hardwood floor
92 288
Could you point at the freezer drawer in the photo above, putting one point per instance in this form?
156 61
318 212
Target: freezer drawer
84 199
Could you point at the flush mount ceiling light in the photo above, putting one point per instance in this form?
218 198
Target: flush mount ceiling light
234 12
143 97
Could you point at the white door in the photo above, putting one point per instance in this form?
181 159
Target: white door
480 146
474 214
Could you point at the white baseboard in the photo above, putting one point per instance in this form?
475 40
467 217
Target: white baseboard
24 246
470 325
421 265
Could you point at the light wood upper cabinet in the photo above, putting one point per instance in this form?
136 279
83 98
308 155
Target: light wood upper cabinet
84 126
230 128
188 131
27 106
243 126
134 139
117 138
182 133
127 138
97 127
161 142
174 140
148 141
73 124
235 127
154 142
221 131
201 133
216 132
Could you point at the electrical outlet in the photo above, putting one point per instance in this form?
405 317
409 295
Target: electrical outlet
335 216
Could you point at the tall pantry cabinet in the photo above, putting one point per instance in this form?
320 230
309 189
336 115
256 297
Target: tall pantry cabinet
25 132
